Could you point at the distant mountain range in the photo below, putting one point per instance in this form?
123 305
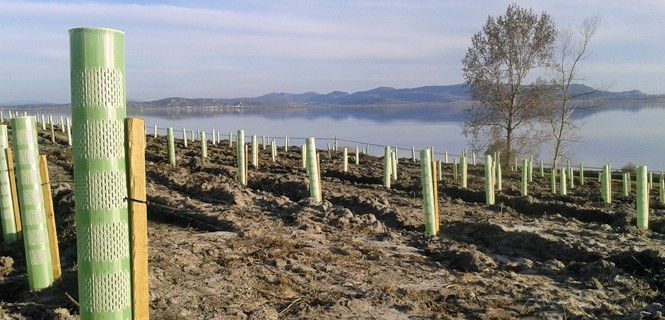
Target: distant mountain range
428 95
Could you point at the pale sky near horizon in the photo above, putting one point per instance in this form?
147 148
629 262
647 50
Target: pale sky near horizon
250 48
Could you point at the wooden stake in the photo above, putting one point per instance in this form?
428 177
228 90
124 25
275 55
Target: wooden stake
12 185
50 217
436 197
138 217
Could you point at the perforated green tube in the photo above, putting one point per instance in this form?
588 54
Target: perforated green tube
489 181
553 180
525 177
387 167
100 192
184 137
455 170
273 150
562 183
542 169
497 172
154 131
69 132
357 155
31 202
642 198
286 143
213 137
394 162
463 169
9 234
345 162
581 174
650 180
240 157
626 184
428 191
661 184
313 170
255 152
445 157
606 184
440 171
413 154
303 155
170 146
204 145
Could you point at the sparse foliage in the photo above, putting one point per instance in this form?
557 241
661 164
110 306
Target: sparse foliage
571 50
497 65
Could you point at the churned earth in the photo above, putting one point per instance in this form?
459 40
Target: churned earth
220 251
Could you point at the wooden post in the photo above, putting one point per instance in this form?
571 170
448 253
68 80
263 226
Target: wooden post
12 184
50 217
138 211
436 197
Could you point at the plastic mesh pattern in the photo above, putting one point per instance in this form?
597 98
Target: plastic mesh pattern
100 139
103 190
97 237
36 237
99 88
106 292
39 256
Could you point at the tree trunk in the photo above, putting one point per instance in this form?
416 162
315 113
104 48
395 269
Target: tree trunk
509 145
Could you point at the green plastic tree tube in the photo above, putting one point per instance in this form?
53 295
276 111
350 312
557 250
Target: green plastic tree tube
204 145
240 157
255 152
357 155
394 162
52 132
313 171
428 191
626 184
650 180
530 169
230 139
542 169
455 170
571 177
581 174
213 137
553 180
445 156
525 177
184 137
69 132
497 173
463 169
345 158
489 183
273 150
607 184
562 182
303 155
100 189
473 158
155 131
7 219
171 146
661 188
286 143
642 198
31 202
440 165
387 167
413 154
335 144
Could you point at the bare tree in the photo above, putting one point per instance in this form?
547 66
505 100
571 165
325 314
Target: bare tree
572 49
497 65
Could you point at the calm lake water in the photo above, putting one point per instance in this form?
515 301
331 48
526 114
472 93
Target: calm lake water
616 136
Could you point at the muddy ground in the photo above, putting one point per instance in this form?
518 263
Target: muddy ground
219 251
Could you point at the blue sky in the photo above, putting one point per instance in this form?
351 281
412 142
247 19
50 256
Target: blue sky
248 48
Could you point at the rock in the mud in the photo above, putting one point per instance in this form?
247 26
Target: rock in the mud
6 266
